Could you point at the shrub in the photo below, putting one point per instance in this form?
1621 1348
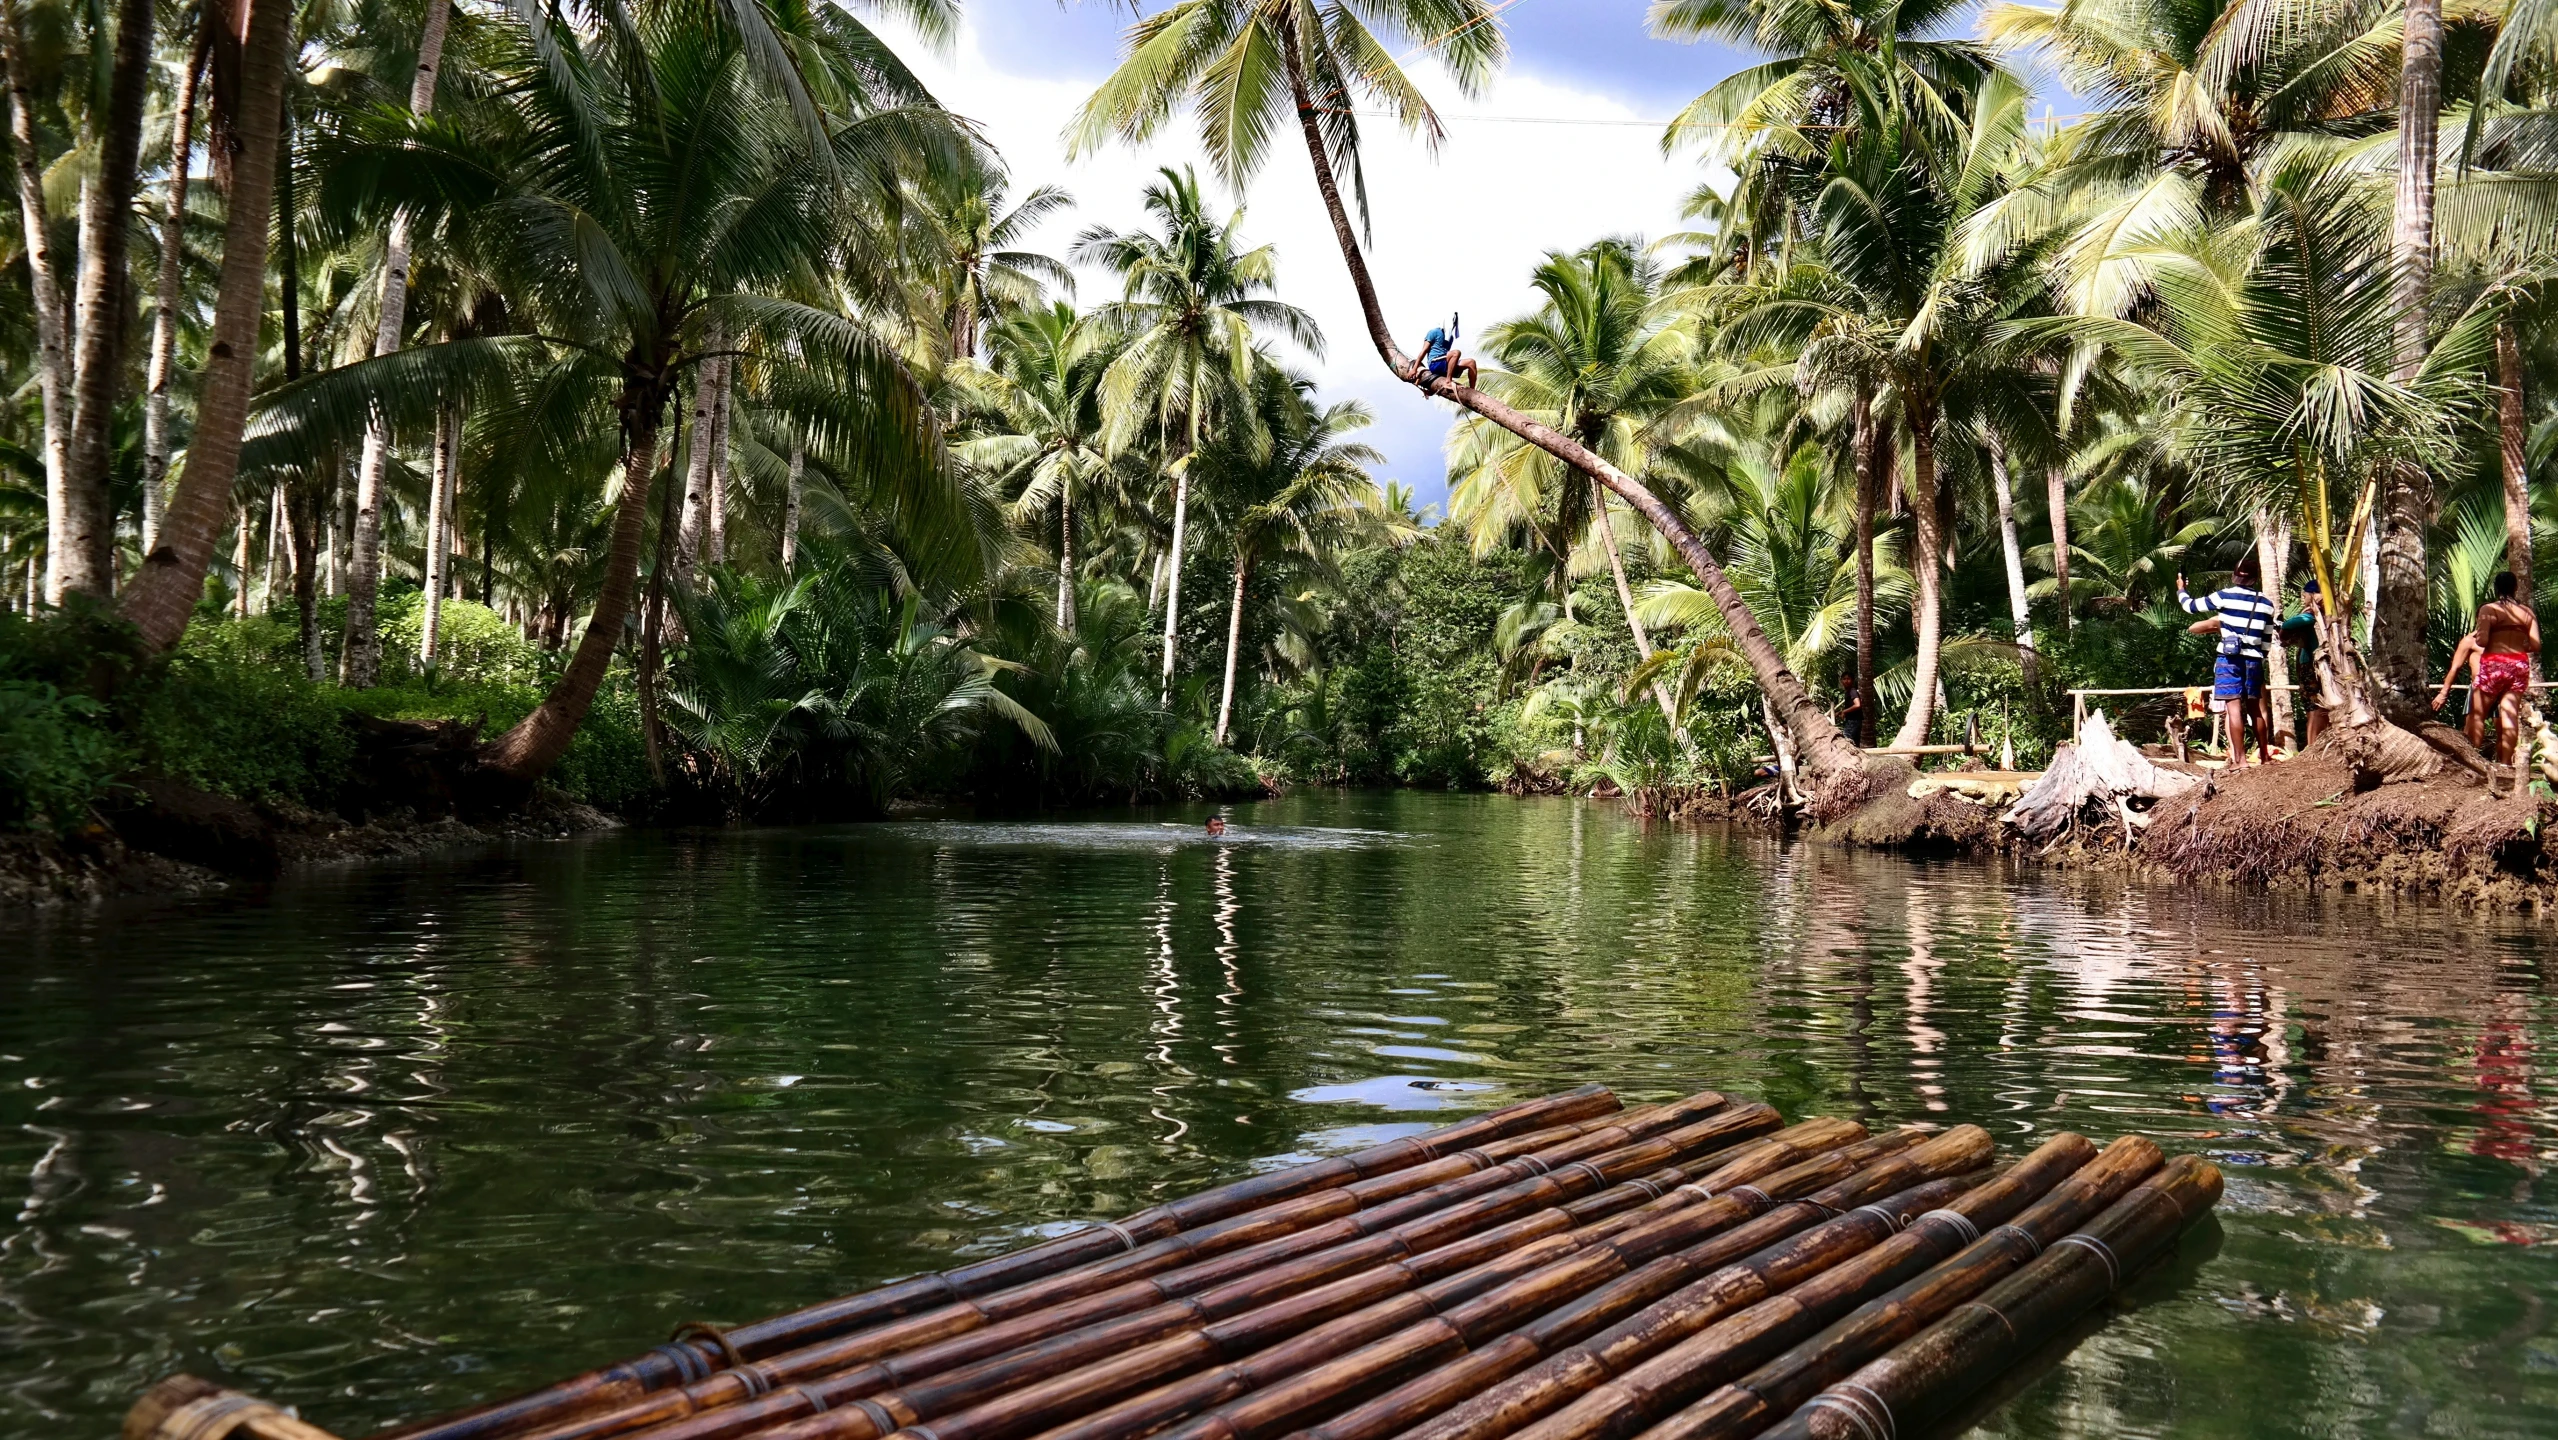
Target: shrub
57 758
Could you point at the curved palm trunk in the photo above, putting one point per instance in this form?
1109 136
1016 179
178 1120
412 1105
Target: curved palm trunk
164 318
1828 753
164 594
538 741
363 661
53 345
2397 654
715 525
1928 569
1234 643
2019 613
84 537
1871 436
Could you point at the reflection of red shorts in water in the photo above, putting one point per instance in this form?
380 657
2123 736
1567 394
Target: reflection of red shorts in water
2500 676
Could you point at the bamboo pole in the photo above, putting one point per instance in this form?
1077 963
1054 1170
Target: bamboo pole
1091 1366
1982 1337
1326 1234
1441 1331
1779 1386
1693 1348
1660 1305
1268 1388
692 1359
1775 1242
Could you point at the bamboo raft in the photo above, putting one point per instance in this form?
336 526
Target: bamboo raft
1561 1269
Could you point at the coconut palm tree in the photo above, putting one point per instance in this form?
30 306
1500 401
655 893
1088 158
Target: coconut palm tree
974 232
1244 68
1038 430
1184 331
1299 487
1606 357
644 194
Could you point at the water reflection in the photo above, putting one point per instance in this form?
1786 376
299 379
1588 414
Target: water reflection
389 1140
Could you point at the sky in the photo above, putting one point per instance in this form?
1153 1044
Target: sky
1565 148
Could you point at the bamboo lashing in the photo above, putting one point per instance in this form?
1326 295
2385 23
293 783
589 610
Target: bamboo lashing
909 1349
1981 1337
689 1360
1561 1269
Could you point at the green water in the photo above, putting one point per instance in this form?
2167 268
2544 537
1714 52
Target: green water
389 1140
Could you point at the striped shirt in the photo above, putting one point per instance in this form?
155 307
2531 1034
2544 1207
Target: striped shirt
2245 618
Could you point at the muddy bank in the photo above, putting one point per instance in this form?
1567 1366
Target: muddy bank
165 839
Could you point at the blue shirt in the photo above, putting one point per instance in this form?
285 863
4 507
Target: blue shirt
2245 618
1435 346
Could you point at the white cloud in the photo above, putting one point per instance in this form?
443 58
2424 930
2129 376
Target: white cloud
1461 232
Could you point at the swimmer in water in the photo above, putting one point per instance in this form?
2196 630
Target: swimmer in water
1216 827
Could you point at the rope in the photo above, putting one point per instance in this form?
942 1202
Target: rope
2102 1251
1597 1175
1692 1188
1891 1218
199 1419
688 1366
1961 1222
2032 1244
1751 1195
1126 1240
704 1329
816 1402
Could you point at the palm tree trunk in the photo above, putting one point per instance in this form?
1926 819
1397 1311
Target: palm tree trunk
363 658
1828 752
1234 643
164 317
439 510
2513 434
2019 612
1625 598
697 473
302 513
84 537
2273 565
2056 499
790 501
2396 657
1928 569
652 656
715 524
538 741
1872 433
164 594
1172 584
53 345
240 560
1066 557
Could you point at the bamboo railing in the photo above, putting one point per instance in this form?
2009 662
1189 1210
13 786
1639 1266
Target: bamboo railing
1561 1269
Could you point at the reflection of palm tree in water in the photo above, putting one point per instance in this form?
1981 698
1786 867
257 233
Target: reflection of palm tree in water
1166 1027
1927 1043
1229 955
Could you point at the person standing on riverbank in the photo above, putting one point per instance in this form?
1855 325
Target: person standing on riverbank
2246 617
2500 647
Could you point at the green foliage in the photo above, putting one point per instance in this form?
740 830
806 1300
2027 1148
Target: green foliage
57 759
473 643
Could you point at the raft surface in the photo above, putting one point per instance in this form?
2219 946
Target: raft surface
1559 1269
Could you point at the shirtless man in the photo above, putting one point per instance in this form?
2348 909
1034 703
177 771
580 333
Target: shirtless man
2507 636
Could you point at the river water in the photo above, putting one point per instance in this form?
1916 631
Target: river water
386 1141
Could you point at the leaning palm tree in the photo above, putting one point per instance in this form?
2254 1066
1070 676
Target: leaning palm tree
1246 69
1185 331
659 179
1300 489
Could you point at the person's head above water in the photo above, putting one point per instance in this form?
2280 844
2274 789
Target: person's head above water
1216 825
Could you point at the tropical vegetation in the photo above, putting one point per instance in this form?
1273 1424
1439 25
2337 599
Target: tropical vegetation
681 402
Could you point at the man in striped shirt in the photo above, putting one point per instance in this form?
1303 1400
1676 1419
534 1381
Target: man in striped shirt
2246 617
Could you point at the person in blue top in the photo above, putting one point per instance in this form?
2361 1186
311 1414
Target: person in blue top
2246 617
1441 360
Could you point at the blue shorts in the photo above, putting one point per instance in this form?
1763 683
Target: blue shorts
2238 677
1436 369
